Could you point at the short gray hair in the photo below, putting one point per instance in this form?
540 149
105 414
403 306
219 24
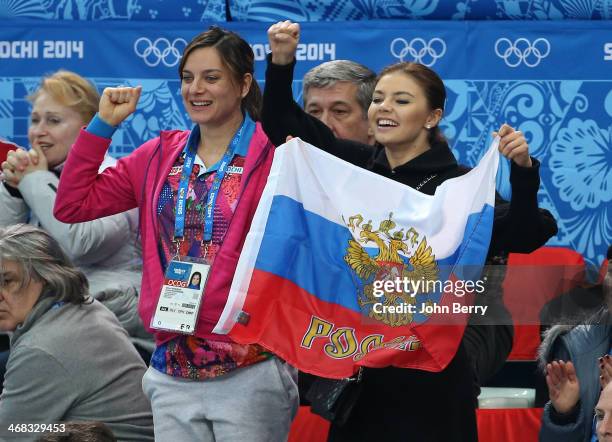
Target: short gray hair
329 73
41 258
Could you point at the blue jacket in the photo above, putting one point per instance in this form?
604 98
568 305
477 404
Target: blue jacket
582 345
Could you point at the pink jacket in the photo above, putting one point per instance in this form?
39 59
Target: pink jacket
136 181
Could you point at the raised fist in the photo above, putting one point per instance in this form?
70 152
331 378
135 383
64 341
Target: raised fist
118 103
283 37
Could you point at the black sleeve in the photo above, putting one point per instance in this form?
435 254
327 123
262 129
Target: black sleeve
519 226
488 338
282 116
14 192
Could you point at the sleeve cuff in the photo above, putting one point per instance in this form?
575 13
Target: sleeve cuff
15 193
101 128
525 177
276 70
564 418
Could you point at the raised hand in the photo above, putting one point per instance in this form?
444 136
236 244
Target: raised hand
563 385
283 37
118 103
513 145
38 161
15 165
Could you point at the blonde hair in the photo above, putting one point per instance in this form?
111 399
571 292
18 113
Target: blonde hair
70 90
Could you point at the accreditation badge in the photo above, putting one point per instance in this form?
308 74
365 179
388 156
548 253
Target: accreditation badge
179 302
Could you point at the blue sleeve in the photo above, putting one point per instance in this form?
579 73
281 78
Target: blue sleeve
573 430
101 128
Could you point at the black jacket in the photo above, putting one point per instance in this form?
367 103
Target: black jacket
519 226
404 404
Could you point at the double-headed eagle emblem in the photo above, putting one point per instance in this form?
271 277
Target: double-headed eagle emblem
401 257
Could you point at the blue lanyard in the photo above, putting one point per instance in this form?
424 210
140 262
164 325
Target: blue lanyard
242 136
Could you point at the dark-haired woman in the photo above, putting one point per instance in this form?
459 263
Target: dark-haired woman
70 358
194 282
197 192
398 404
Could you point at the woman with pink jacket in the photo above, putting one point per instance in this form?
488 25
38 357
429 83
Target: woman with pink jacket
197 192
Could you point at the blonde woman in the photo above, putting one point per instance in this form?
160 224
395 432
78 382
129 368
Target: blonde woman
105 249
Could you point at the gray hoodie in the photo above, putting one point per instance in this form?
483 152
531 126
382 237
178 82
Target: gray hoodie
75 363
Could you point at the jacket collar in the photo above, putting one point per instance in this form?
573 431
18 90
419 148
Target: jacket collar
437 160
42 306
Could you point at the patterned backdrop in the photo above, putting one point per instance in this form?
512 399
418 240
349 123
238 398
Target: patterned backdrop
307 10
548 77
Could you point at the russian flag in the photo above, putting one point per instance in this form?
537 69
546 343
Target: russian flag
343 267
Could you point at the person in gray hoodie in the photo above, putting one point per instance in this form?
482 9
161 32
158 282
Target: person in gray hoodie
70 359
574 360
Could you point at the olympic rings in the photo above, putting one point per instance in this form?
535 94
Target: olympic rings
160 51
419 50
522 51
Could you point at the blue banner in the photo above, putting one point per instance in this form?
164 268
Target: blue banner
475 50
552 80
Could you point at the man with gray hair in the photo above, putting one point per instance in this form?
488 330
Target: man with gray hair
339 93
